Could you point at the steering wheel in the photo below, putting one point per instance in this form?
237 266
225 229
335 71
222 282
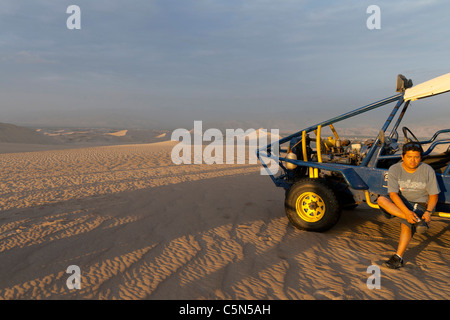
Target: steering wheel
405 133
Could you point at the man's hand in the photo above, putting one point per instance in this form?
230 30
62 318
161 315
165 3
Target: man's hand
427 216
411 217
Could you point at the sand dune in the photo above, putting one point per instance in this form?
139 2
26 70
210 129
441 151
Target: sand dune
140 227
15 134
120 133
21 139
162 135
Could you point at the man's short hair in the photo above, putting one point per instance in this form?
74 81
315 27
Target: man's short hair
412 146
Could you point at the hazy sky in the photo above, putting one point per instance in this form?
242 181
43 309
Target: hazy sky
271 63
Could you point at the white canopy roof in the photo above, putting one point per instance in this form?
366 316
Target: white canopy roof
428 88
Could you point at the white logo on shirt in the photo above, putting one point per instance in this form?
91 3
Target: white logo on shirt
411 185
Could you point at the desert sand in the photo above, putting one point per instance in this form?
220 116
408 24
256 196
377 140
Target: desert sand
140 227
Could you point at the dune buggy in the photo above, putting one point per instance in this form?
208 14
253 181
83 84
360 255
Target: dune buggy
322 176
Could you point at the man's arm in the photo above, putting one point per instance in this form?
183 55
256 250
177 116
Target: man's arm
431 204
433 194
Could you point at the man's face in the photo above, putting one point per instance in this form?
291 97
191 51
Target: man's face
411 160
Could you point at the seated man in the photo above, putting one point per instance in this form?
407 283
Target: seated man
413 192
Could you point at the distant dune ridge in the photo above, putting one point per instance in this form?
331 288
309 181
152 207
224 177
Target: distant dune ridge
15 138
120 133
16 134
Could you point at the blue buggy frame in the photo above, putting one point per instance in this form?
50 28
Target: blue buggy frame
323 176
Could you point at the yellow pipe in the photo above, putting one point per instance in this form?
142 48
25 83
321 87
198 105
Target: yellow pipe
318 143
369 202
441 214
319 151
334 132
375 206
305 155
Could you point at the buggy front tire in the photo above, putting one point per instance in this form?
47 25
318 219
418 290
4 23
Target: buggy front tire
312 205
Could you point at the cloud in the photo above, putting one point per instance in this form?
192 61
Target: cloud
27 57
226 57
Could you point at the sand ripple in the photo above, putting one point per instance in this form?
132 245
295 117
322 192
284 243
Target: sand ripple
140 227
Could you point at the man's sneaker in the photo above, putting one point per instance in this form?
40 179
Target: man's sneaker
394 262
421 226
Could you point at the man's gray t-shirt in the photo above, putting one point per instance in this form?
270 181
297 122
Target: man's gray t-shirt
416 186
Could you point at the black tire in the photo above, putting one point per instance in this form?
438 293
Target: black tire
312 205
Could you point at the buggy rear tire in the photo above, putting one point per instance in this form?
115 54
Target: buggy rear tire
312 205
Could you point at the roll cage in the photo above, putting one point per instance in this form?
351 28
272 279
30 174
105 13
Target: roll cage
363 167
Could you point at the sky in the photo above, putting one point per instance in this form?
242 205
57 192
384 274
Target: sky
281 64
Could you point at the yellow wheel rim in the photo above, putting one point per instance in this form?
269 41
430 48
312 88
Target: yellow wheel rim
310 207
